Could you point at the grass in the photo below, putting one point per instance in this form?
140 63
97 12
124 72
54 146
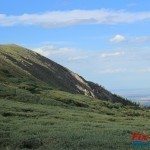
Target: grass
60 120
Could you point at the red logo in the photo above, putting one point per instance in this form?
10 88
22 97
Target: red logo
136 136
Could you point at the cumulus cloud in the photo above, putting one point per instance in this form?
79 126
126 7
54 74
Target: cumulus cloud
66 53
50 50
131 39
118 38
104 55
74 17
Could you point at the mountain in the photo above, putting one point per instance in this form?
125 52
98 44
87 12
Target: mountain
45 106
19 65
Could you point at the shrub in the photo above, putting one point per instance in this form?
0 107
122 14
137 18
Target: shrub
32 143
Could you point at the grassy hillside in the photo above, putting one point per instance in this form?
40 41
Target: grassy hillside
35 114
19 65
55 119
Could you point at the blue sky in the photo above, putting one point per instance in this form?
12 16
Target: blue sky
107 42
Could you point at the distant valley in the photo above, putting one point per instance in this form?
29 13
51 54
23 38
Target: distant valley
141 96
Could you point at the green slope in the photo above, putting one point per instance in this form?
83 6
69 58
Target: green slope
55 120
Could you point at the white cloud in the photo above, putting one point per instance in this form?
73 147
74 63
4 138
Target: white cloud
130 40
97 62
145 70
51 50
73 17
77 58
112 70
118 38
73 54
104 55
67 53
140 39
